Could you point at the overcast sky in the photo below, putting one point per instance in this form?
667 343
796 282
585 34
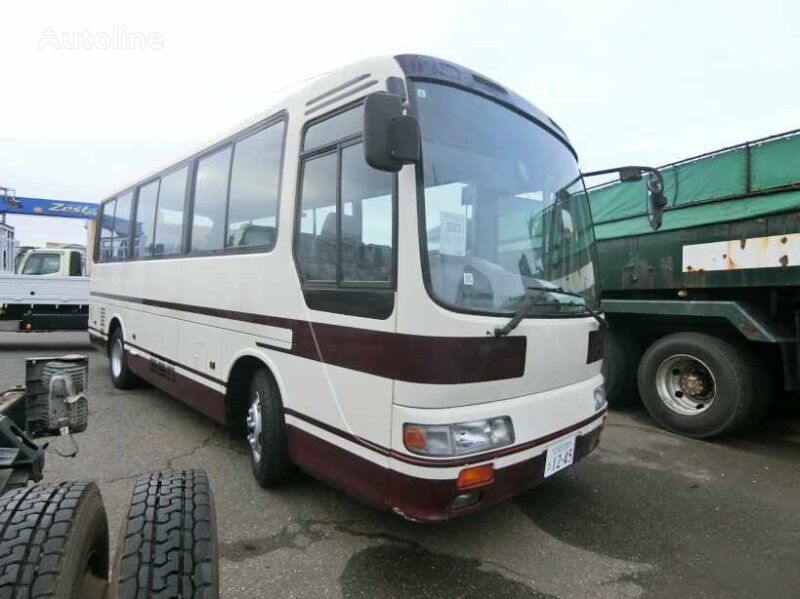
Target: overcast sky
630 82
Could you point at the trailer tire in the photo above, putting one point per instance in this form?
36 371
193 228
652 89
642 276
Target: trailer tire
121 375
168 542
54 542
266 431
722 379
621 354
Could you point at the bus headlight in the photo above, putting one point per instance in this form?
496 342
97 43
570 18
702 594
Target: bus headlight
458 439
599 398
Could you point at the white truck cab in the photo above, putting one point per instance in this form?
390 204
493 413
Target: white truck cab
53 263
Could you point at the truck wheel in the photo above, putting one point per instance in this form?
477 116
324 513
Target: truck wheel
54 542
266 431
700 385
621 353
168 542
121 375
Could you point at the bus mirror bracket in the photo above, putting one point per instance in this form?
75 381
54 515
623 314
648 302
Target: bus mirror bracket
391 138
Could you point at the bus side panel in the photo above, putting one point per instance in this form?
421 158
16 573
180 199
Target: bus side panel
153 332
204 399
355 475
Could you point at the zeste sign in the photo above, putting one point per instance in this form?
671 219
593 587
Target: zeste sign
43 207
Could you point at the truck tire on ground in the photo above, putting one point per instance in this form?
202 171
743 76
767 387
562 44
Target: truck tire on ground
266 431
168 541
702 386
121 375
621 353
54 542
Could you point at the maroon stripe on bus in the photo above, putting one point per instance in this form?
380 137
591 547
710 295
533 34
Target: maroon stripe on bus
178 364
398 356
202 398
447 462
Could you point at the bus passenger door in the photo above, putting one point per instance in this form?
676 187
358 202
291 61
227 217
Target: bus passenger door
345 252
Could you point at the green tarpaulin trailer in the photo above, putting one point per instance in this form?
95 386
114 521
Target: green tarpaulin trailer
704 311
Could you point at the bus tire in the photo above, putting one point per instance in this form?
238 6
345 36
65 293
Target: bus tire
621 354
265 428
121 375
168 542
721 379
54 542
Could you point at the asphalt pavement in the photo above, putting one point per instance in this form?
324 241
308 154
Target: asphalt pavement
649 514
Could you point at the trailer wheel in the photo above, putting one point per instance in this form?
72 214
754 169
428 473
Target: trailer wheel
701 386
54 542
121 375
168 542
621 354
266 431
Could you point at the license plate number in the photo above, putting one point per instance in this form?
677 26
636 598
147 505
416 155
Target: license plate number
559 456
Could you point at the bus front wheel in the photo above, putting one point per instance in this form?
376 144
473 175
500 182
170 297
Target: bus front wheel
701 385
266 431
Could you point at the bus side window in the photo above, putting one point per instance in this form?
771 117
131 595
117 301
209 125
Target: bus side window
106 229
122 225
367 215
316 243
210 193
253 198
344 244
170 214
144 227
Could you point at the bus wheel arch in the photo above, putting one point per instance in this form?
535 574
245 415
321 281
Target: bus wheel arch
122 377
113 324
237 390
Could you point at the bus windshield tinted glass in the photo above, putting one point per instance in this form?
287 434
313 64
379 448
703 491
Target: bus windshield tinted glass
504 206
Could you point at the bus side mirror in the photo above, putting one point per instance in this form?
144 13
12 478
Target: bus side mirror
656 201
391 138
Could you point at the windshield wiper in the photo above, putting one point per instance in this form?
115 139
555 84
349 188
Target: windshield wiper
593 313
530 300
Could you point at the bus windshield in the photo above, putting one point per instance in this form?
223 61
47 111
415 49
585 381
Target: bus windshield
505 208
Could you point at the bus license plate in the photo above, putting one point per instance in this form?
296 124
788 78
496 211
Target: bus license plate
559 456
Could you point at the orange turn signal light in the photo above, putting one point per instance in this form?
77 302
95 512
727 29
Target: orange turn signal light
475 476
414 437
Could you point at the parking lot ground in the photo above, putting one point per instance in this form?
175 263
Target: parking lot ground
649 514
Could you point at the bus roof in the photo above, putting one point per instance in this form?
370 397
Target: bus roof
329 90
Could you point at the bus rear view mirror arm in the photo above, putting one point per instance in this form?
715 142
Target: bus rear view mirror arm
656 200
391 138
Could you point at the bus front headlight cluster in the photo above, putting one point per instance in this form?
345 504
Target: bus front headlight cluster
458 439
599 398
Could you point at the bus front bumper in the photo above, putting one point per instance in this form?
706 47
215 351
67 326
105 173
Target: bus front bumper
436 500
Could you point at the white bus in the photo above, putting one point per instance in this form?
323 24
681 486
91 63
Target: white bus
386 280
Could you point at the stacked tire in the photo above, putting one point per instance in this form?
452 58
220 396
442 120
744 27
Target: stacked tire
54 541
168 543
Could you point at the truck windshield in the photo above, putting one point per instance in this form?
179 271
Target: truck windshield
504 207
42 264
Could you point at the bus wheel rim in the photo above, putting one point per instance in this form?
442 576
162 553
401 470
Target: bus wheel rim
254 426
116 358
686 385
